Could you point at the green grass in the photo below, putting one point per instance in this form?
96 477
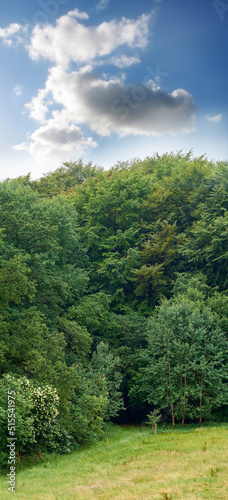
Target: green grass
184 464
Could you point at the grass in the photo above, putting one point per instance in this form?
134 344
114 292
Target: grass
179 464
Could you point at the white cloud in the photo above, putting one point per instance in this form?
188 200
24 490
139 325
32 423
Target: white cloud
13 32
72 101
77 14
10 30
18 89
21 147
38 106
71 40
215 119
108 106
124 61
53 138
102 4
58 138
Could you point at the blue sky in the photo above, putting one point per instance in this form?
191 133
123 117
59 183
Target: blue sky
111 80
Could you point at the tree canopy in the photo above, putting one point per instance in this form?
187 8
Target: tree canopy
114 296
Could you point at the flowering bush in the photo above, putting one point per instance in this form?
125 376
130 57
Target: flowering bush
35 410
44 408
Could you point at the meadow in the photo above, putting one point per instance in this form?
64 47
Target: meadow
189 463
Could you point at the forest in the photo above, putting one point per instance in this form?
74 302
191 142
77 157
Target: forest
113 299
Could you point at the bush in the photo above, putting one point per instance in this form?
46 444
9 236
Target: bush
28 413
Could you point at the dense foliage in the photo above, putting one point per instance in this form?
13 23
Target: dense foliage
113 297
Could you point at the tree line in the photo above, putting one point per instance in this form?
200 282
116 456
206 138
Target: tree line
113 298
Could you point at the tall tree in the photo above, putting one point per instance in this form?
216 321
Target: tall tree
186 361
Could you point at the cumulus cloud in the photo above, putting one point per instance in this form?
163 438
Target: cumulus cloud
53 138
74 101
71 40
215 118
57 138
8 34
39 106
78 14
111 105
10 30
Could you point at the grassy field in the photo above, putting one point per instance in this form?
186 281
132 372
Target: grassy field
184 464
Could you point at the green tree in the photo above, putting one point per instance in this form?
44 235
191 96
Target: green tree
78 342
186 361
105 364
65 178
110 211
92 312
89 402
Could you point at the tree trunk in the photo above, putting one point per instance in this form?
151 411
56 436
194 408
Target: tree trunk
39 455
184 402
201 398
171 399
18 457
173 419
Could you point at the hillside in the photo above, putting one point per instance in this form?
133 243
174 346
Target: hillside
173 465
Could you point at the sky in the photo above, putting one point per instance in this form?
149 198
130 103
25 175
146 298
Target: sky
110 81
